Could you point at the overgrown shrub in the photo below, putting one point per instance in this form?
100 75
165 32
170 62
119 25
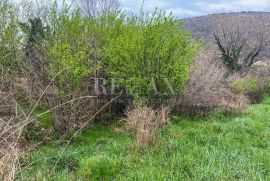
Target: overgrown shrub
244 85
72 55
146 123
151 55
262 74
207 88
253 83
253 86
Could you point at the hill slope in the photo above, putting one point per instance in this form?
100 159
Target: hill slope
259 22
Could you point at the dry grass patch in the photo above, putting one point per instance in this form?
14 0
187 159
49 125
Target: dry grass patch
146 123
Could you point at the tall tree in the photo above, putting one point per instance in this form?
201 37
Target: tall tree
93 8
239 45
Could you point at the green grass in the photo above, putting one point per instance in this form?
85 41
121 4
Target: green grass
36 130
218 147
45 121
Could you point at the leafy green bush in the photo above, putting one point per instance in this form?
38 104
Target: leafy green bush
151 55
142 51
244 85
150 52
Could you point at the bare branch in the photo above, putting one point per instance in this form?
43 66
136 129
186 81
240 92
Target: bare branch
93 8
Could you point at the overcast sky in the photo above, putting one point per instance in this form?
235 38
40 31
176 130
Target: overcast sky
189 8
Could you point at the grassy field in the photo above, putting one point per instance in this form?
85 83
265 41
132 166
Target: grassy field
218 147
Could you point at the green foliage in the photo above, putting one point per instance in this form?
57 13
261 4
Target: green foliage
141 51
244 85
69 48
9 41
34 29
150 48
254 88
